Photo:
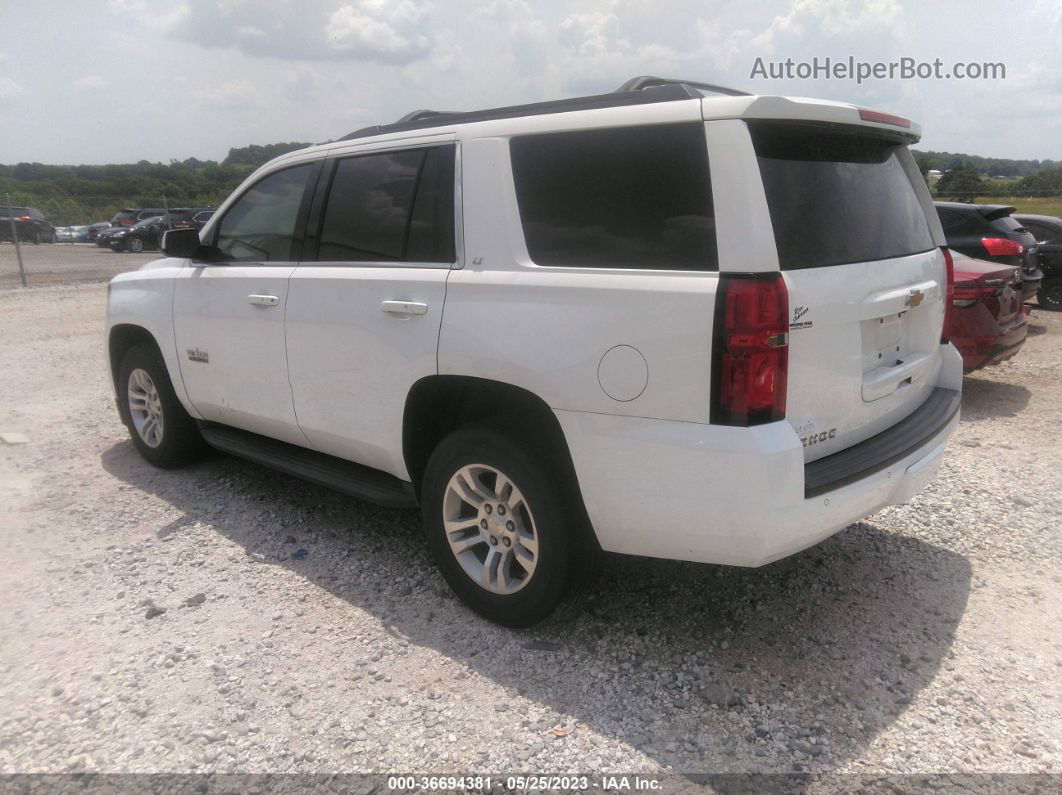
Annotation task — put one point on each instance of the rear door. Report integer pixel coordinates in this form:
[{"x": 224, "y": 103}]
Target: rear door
[
  {"x": 866, "y": 282},
  {"x": 365, "y": 307}
]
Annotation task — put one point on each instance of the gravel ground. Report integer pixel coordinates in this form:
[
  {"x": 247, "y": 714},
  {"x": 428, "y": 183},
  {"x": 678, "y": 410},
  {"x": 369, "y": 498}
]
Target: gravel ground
[{"x": 162, "y": 621}]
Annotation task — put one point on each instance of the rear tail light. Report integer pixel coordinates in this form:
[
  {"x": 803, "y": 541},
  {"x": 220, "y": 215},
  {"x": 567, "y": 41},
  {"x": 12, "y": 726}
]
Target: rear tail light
[
  {"x": 750, "y": 360},
  {"x": 970, "y": 294},
  {"x": 127, "y": 222},
  {"x": 949, "y": 296},
  {"x": 1001, "y": 247},
  {"x": 25, "y": 218}
]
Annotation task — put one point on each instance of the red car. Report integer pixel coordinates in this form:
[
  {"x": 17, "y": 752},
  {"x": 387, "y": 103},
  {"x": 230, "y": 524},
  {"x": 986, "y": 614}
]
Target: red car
[{"x": 988, "y": 322}]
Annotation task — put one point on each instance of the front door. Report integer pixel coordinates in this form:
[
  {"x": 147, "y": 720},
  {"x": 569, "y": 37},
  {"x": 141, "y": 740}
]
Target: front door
[
  {"x": 365, "y": 307},
  {"x": 228, "y": 312}
]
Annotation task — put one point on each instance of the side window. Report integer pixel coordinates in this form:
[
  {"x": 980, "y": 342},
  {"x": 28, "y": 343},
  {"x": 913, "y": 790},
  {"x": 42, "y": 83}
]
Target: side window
[
  {"x": 1043, "y": 233},
  {"x": 629, "y": 197},
  {"x": 390, "y": 207},
  {"x": 260, "y": 226}
]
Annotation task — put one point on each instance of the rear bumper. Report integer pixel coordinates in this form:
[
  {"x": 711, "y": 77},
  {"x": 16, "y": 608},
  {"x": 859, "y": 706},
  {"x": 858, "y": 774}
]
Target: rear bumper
[
  {"x": 985, "y": 343},
  {"x": 733, "y": 496}
]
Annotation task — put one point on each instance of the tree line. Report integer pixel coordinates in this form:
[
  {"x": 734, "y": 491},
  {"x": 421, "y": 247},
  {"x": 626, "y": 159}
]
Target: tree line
[{"x": 70, "y": 195}]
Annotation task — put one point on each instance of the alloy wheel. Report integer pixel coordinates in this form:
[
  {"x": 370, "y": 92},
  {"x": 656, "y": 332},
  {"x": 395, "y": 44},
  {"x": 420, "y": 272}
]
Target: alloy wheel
[
  {"x": 490, "y": 529},
  {"x": 145, "y": 408}
]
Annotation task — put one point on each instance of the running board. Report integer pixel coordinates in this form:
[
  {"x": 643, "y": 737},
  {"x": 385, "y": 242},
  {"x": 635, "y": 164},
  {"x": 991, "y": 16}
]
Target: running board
[{"x": 346, "y": 477}]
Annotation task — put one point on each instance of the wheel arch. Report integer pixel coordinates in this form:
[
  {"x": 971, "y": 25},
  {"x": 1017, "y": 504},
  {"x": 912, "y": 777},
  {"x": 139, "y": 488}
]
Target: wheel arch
[
  {"x": 440, "y": 404},
  {"x": 121, "y": 338}
]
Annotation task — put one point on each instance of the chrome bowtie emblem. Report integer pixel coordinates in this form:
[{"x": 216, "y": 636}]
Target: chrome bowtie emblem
[{"x": 914, "y": 298}]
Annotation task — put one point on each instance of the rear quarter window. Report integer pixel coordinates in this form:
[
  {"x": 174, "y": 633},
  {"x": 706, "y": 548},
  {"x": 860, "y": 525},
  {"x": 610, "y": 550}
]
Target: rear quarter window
[
  {"x": 629, "y": 197},
  {"x": 837, "y": 196}
]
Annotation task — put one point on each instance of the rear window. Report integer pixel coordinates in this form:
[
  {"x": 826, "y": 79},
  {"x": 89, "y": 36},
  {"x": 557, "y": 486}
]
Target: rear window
[
  {"x": 630, "y": 197},
  {"x": 1007, "y": 224},
  {"x": 837, "y": 197}
]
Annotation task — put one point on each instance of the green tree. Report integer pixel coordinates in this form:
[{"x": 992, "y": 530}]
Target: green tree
[{"x": 961, "y": 183}]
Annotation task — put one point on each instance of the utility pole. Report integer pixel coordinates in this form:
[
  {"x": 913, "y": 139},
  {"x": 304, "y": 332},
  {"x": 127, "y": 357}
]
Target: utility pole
[{"x": 14, "y": 239}]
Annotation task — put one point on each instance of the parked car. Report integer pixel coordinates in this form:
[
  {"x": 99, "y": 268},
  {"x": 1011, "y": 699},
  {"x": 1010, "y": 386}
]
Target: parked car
[
  {"x": 103, "y": 237},
  {"x": 989, "y": 322},
  {"x": 596, "y": 348},
  {"x": 30, "y": 225},
  {"x": 1047, "y": 229},
  {"x": 132, "y": 215},
  {"x": 95, "y": 229},
  {"x": 199, "y": 219},
  {"x": 990, "y": 232},
  {"x": 141, "y": 236},
  {"x": 146, "y": 235}
]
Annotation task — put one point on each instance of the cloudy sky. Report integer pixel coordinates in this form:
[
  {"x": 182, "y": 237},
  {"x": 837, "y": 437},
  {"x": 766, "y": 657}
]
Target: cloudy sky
[{"x": 125, "y": 80}]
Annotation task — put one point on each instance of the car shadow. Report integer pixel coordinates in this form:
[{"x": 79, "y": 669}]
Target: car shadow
[
  {"x": 1035, "y": 329},
  {"x": 699, "y": 667},
  {"x": 983, "y": 398}
]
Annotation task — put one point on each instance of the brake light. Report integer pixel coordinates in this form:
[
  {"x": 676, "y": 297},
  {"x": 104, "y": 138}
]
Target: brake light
[
  {"x": 949, "y": 296},
  {"x": 866, "y": 114},
  {"x": 751, "y": 355},
  {"x": 1001, "y": 247},
  {"x": 25, "y": 218},
  {"x": 968, "y": 295}
]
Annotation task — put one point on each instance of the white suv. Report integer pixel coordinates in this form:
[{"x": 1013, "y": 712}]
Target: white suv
[{"x": 649, "y": 322}]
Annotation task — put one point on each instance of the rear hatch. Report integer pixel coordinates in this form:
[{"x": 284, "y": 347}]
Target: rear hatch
[{"x": 867, "y": 284}]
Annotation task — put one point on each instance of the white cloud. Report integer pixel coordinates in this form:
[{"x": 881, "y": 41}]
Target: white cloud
[
  {"x": 381, "y": 30},
  {"x": 233, "y": 95},
  {"x": 89, "y": 81},
  {"x": 9, "y": 89},
  {"x": 592, "y": 34}
]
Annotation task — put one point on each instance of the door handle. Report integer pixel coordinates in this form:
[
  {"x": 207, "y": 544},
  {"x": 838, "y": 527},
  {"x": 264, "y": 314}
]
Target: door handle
[
  {"x": 404, "y": 307},
  {"x": 263, "y": 300}
]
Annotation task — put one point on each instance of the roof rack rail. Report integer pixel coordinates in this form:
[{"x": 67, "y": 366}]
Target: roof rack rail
[
  {"x": 636, "y": 91},
  {"x": 648, "y": 81},
  {"x": 417, "y": 115}
]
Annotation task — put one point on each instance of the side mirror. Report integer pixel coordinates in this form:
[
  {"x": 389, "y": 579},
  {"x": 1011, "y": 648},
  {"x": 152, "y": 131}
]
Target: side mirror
[{"x": 180, "y": 243}]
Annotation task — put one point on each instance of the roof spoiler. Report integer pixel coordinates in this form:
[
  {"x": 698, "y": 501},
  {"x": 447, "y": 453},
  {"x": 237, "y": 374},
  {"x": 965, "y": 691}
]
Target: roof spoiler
[{"x": 993, "y": 211}]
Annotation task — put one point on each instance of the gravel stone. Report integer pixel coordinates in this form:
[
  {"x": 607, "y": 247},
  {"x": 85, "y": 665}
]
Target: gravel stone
[{"x": 920, "y": 640}]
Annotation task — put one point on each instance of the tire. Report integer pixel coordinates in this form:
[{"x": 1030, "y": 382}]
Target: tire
[
  {"x": 1050, "y": 295},
  {"x": 36, "y": 239},
  {"x": 134, "y": 245},
  {"x": 541, "y": 523},
  {"x": 173, "y": 440}
]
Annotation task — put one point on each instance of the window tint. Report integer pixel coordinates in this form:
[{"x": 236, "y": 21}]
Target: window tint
[
  {"x": 949, "y": 221},
  {"x": 837, "y": 197},
  {"x": 633, "y": 197},
  {"x": 431, "y": 231},
  {"x": 1005, "y": 224},
  {"x": 1043, "y": 232},
  {"x": 391, "y": 206},
  {"x": 260, "y": 226}
]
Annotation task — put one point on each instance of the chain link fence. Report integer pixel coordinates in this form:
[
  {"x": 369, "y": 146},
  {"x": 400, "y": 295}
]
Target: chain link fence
[
  {"x": 70, "y": 239},
  {"x": 70, "y": 243}
]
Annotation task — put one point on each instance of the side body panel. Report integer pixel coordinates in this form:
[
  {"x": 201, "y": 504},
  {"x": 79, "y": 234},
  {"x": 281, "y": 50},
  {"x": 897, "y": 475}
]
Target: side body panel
[
  {"x": 144, "y": 298},
  {"x": 231, "y": 348},
  {"x": 613, "y": 341},
  {"x": 351, "y": 364}
]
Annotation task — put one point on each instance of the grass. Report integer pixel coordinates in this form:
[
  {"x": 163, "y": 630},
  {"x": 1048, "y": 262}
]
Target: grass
[{"x": 1050, "y": 205}]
